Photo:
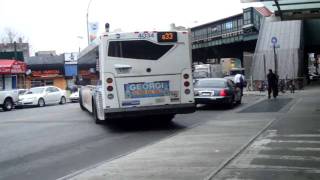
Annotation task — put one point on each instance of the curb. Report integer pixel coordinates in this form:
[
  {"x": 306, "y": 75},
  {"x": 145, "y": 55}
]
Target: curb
[{"x": 238, "y": 152}]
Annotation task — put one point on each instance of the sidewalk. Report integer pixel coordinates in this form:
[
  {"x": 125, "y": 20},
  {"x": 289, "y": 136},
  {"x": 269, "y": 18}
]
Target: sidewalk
[
  {"x": 289, "y": 149},
  {"x": 205, "y": 151}
]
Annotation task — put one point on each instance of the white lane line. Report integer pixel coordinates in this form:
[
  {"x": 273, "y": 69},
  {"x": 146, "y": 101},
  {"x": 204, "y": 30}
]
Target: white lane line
[
  {"x": 277, "y": 168},
  {"x": 300, "y": 135},
  {"x": 285, "y": 148},
  {"x": 285, "y": 157},
  {"x": 295, "y": 141}
]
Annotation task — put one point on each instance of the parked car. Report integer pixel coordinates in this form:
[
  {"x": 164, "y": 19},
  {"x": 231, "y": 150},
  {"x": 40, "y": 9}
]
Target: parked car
[
  {"x": 216, "y": 91},
  {"x": 74, "y": 97},
  {"x": 8, "y": 99},
  {"x": 22, "y": 91},
  {"x": 41, "y": 96}
]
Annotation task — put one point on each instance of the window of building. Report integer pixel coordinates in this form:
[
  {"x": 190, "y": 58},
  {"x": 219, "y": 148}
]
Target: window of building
[
  {"x": 240, "y": 23},
  {"x": 257, "y": 20},
  {"x": 43, "y": 82},
  {"x": 137, "y": 50},
  {"x": 229, "y": 25},
  {"x": 247, "y": 17}
]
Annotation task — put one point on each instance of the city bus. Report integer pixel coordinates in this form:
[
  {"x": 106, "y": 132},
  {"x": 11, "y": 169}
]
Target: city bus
[{"x": 140, "y": 74}]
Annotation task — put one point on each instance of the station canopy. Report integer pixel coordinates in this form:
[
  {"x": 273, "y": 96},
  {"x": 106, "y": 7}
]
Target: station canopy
[{"x": 292, "y": 9}]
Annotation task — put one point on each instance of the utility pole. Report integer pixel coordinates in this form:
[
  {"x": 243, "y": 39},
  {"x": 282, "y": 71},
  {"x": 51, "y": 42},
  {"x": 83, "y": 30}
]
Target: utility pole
[
  {"x": 88, "y": 21},
  {"x": 274, "y": 42},
  {"x": 275, "y": 60},
  {"x": 15, "y": 50}
]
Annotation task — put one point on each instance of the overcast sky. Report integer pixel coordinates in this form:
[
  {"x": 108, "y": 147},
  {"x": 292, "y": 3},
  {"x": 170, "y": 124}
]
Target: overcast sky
[{"x": 57, "y": 24}]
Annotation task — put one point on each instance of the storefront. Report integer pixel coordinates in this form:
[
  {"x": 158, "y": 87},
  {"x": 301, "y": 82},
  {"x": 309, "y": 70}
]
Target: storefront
[
  {"x": 46, "y": 70},
  {"x": 12, "y": 74},
  {"x": 88, "y": 77},
  {"x": 47, "y": 78}
]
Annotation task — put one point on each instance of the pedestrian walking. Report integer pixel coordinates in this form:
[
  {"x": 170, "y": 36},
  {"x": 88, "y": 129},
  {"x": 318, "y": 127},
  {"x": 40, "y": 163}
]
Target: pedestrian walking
[
  {"x": 272, "y": 84},
  {"x": 239, "y": 79}
]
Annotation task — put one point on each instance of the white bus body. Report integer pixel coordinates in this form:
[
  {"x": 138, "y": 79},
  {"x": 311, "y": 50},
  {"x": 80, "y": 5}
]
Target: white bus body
[{"x": 141, "y": 73}]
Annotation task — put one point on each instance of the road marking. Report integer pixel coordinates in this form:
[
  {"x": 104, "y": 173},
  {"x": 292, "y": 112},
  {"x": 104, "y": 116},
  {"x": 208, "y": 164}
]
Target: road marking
[
  {"x": 285, "y": 148},
  {"x": 295, "y": 141},
  {"x": 277, "y": 168},
  {"x": 285, "y": 157},
  {"x": 300, "y": 135}
]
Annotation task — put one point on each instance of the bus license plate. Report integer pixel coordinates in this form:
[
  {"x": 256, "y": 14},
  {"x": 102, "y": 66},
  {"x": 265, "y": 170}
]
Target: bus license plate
[{"x": 147, "y": 89}]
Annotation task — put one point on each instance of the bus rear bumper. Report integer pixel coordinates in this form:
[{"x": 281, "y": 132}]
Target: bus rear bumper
[{"x": 153, "y": 110}]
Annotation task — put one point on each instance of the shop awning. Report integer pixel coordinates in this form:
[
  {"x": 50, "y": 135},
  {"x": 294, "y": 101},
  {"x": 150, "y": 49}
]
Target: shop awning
[{"x": 12, "y": 66}]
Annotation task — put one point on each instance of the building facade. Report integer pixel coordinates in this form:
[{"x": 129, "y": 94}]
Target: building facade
[
  {"x": 18, "y": 51},
  {"x": 229, "y": 37},
  {"x": 45, "y": 70},
  {"x": 12, "y": 74}
]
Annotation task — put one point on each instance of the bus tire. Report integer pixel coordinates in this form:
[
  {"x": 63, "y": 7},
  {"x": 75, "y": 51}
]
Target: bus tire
[
  {"x": 80, "y": 102},
  {"x": 167, "y": 118},
  {"x": 95, "y": 114}
]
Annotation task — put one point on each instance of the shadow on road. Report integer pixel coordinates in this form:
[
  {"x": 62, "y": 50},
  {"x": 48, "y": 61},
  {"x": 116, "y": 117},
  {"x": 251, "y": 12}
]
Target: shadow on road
[
  {"x": 214, "y": 107},
  {"x": 142, "y": 124}
]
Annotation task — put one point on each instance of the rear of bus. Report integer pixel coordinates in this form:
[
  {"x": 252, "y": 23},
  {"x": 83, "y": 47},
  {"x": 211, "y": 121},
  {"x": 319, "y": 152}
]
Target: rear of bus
[{"x": 146, "y": 73}]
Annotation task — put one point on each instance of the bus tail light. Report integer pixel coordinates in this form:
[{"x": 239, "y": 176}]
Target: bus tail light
[
  {"x": 110, "y": 96},
  {"x": 109, "y": 80},
  {"x": 187, "y": 91},
  {"x": 110, "y": 88}
]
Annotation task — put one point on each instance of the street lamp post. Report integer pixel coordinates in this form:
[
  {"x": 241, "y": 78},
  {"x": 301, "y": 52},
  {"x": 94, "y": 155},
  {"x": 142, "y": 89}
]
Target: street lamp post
[
  {"x": 88, "y": 21},
  {"x": 80, "y": 38}
]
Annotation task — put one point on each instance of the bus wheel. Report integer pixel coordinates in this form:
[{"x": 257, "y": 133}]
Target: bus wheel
[
  {"x": 81, "y": 103},
  {"x": 167, "y": 118},
  {"x": 95, "y": 114}
]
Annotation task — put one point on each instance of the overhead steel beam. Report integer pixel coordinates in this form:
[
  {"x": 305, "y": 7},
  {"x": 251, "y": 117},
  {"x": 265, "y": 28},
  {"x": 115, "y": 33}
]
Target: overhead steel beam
[{"x": 279, "y": 9}]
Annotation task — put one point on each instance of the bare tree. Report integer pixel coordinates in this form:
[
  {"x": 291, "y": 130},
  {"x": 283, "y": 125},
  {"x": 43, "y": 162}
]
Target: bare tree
[{"x": 10, "y": 36}]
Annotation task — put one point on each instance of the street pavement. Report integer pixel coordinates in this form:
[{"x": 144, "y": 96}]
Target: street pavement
[
  {"x": 54, "y": 141},
  {"x": 279, "y": 140}
]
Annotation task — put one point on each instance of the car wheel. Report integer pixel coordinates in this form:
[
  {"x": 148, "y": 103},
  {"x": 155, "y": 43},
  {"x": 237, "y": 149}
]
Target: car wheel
[
  {"x": 239, "y": 101},
  {"x": 41, "y": 102},
  {"x": 63, "y": 100},
  {"x": 230, "y": 104},
  {"x": 8, "y": 104}
]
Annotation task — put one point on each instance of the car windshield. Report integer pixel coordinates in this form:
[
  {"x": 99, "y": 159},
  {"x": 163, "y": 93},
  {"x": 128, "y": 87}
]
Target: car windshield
[
  {"x": 36, "y": 90},
  {"x": 210, "y": 83}
]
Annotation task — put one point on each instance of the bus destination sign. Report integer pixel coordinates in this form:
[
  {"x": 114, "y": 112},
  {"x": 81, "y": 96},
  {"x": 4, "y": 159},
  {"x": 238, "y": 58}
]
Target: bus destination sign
[{"x": 167, "y": 37}]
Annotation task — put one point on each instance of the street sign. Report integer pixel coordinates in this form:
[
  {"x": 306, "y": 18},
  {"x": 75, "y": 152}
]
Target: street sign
[{"x": 274, "y": 40}]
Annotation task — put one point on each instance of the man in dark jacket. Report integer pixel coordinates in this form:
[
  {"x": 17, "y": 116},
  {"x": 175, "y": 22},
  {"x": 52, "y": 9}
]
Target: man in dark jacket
[{"x": 272, "y": 84}]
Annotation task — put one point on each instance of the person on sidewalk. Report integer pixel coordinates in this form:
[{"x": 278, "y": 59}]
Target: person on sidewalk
[
  {"x": 239, "y": 79},
  {"x": 272, "y": 84}
]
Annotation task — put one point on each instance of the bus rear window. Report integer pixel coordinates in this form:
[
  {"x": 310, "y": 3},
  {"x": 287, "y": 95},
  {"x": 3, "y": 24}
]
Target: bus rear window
[{"x": 137, "y": 49}]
